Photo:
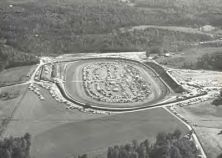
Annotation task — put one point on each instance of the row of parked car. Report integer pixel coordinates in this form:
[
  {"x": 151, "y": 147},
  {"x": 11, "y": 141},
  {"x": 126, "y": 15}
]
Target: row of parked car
[
  {"x": 36, "y": 90},
  {"x": 194, "y": 100}
]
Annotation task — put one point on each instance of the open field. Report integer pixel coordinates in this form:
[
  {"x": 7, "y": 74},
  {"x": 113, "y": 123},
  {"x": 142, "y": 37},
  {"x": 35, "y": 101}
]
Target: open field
[
  {"x": 98, "y": 134},
  {"x": 36, "y": 116},
  {"x": 208, "y": 123},
  {"x": 76, "y": 87},
  {"x": 9, "y": 106},
  {"x": 15, "y": 75},
  {"x": 182, "y": 29}
]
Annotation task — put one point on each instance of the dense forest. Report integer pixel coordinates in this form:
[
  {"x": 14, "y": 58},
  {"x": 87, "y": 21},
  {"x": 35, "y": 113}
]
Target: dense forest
[
  {"x": 51, "y": 28},
  {"x": 89, "y": 25},
  {"x": 171, "y": 145},
  {"x": 218, "y": 100},
  {"x": 210, "y": 61},
  {"x": 64, "y": 26},
  {"x": 9, "y": 57},
  {"x": 15, "y": 147}
]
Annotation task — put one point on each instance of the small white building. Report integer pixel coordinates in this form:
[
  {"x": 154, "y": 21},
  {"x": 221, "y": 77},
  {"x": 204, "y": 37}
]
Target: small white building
[
  {"x": 125, "y": 1},
  {"x": 207, "y": 28},
  {"x": 167, "y": 55},
  {"x": 116, "y": 89}
]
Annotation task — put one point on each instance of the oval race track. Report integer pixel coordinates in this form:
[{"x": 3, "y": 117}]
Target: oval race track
[{"x": 75, "y": 90}]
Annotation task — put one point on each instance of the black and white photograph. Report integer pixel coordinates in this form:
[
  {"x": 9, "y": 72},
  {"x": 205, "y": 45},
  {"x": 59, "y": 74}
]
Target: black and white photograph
[{"x": 110, "y": 78}]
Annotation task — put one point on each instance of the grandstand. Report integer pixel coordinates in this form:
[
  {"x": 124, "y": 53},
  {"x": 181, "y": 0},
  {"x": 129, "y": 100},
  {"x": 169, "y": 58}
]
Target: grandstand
[{"x": 163, "y": 74}]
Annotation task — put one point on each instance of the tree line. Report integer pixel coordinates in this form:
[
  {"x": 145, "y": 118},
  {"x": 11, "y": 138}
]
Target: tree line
[
  {"x": 170, "y": 145},
  {"x": 9, "y": 57},
  {"x": 83, "y": 26},
  {"x": 210, "y": 61},
  {"x": 15, "y": 147},
  {"x": 218, "y": 100},
  {"x": 167, "y": 145}
]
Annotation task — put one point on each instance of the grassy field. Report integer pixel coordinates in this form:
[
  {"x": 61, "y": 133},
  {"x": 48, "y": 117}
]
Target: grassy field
[
  {"x": 7, "y": 107},
  {"x": 97, "y": 134},
  {"x": 15, "y": 75},
  {"x": 209, "y": 124},
  {"x": 35, "y": 116}
]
